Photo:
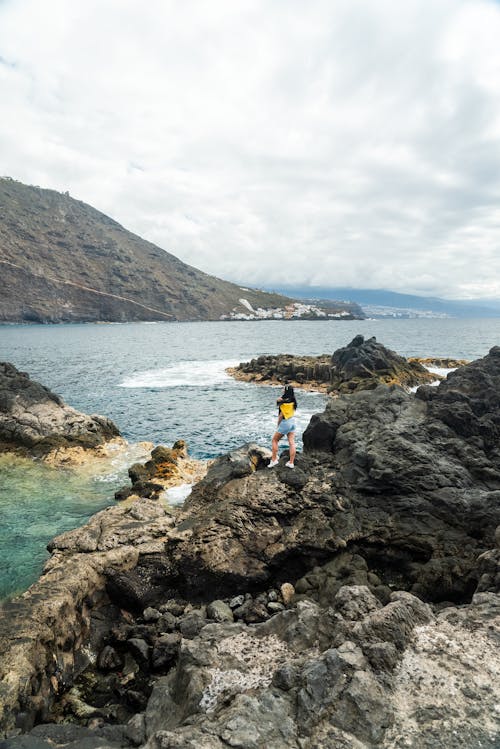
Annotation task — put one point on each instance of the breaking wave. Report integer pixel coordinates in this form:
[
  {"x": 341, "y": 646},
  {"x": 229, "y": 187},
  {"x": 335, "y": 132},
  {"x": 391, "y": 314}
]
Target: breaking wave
[{"x": 182, "y": 374}]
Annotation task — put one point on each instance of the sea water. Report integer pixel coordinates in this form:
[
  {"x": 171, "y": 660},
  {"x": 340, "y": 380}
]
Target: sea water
[{"x": 167, "y": 381}]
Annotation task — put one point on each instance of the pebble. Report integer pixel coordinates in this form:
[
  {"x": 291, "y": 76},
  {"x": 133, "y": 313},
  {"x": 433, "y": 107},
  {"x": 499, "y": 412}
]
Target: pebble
[
  {"x": 287, "y": 593},
  {"x": 151, "y": 615},
  {"x": 237, "y": 601}
]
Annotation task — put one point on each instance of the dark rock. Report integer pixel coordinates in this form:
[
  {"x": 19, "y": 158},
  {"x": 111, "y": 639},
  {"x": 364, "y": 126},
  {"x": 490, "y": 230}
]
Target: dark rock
[
  {"x": 286, "y": 677},
  {"x": 172, "y": 607},
  {"x": 167, "y": 623},
  {"x": 237, "y": 464},
  {"x": 191, "y": 624},
  {"x": 382, "y": 656},
  {"x": 363, "y": 365},
  {"x": 109, "y": 659},
  {"x": 139, "y": 649},
  {"x": 251, "y": 612},
  {"x": 165, "y": 651},
  {"x": 33, "y": 417}
]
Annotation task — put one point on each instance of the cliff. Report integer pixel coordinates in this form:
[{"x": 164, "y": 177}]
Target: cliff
[{"x": 63, "y": 261}]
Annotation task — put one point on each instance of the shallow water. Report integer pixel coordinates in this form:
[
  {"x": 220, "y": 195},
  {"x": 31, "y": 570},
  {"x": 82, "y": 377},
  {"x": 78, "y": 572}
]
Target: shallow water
[{"x": 165, "y": 381}]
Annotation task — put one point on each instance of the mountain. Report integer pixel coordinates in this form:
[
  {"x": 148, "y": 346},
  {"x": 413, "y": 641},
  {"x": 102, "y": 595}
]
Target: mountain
[
  {"x": 385, "y": 303},
  {"x": 63, "y": 261}
]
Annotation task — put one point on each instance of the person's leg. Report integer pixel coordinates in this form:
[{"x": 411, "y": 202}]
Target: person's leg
[
  {"x": 291, "y": 444},
  {"x": 276, "y": 438}
]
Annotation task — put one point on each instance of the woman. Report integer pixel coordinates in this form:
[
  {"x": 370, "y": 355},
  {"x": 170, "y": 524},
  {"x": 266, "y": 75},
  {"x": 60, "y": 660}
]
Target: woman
[{"x": 287, "y": 406}]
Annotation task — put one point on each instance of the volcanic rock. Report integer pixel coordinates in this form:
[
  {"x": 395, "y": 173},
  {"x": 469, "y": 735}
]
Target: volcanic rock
[
  {"x": 167, "y": 467},
  {"x": 391, "y": 638},
  {"x": 34, "y": 418},
  {"x": 361, "y": 365}
]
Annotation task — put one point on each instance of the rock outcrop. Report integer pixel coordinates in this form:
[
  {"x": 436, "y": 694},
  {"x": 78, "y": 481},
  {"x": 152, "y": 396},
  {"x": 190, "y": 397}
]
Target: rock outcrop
[
  {"x": 167, "y": 467},
  {"x": 35, "y": 419},
  {"x": 361, "y": 365},
  {"x": 307, "y": 372},
  {"x": 353, "y": 601}
]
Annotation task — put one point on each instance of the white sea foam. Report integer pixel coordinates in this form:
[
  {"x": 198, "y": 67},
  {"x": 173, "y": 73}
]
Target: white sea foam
[
  {"x": 442, "y": 371},
  {"x": 177, "y": 495},
  {"x": 190, "y": 373}
]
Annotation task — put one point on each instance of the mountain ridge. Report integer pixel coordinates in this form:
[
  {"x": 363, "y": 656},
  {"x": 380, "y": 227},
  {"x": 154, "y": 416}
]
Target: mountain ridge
[{"x": 63, "y": 260}]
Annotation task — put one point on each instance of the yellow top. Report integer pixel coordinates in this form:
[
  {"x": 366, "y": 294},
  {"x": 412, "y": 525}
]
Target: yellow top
[{"x": 287, "y": 409}]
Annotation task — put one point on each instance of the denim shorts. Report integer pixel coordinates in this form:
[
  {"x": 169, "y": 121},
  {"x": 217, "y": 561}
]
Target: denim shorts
[{"x": 287, "y": 425}]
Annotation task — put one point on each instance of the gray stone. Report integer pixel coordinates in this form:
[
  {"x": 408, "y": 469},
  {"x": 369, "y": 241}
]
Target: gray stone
[
  {"x": 165, "y": 650},
  {"x": 151, "y": 615},
  {"x": 139, "y": 648},
  {"x": 191, "y": 624},
  {"x": 219, "y": 612},
  {"x": 363, "y": 708},
  {"x": 135, "y": 730}
]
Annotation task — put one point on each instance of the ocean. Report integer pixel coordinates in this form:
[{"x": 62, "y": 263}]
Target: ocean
[{"x": 165, "y": 381}]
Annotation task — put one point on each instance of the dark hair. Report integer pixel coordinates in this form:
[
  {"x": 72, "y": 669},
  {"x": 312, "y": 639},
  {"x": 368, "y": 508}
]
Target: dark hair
[{"x": 289, "y": 395}]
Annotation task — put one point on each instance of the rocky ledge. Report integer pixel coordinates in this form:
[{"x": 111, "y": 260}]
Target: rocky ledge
[
  {"x": 36, "y": 421},
  {"x": 351, "y": 602},
  {"x": 361, "y": 365},
  {"x": 167, "y": 467}
]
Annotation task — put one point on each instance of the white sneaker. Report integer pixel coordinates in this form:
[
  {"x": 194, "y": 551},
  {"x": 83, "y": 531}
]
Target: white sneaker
[
  {"x": 273, "y": 463},
  {"x": 289, "y": 464}
]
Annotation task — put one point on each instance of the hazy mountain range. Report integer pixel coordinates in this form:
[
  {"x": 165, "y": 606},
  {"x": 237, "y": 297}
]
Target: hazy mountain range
[{"x": 384, "y": 303}]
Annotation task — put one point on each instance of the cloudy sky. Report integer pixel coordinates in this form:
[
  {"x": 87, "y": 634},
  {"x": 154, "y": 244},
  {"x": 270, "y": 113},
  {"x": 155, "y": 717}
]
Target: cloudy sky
[{"x": 333, "y": 142}]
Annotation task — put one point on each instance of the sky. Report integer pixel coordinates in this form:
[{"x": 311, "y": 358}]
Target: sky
[{"x": 270, "y": 142}]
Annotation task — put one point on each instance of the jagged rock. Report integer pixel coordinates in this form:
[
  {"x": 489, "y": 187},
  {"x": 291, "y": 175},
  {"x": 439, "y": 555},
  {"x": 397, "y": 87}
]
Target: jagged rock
[
  {"x": 167, "y": 467},
  {"x": 402, "y": 501},
  {"x": 166, "y": 650},
  {"x": 363, "y": 365},
  {"x": 139, "y": 649},
  {"x": 33, "y": 417},
  {"x": 109, "y": 659},
  {"x": 301, "y": 371}
]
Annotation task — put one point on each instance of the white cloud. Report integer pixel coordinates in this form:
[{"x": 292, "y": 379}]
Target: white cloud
[{"x": 271, "y": 141}]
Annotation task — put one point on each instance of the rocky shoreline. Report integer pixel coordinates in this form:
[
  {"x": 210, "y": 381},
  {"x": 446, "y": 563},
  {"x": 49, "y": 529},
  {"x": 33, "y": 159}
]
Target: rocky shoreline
[
  {"x": 36, "y": 422},
  {"x": 352, "y": 602},
  {"x": 361, "y": 365}
]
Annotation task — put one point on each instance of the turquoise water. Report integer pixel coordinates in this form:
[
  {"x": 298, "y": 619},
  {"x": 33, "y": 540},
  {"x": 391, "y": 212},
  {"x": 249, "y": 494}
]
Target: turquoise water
[{"x": 164, "y": 381}]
